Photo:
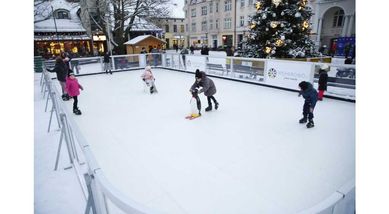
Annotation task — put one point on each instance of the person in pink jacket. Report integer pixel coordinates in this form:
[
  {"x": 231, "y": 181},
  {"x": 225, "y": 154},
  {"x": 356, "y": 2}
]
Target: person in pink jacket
[
  {"x": 73, "y": 89},
  {"x": 149, "y": 80}
]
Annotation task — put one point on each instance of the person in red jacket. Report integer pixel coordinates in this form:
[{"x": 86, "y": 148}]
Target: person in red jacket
[{"x": 73, "y": 89}]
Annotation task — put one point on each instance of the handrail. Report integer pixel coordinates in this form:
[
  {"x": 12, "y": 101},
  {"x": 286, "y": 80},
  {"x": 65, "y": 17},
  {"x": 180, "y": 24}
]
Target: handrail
[{"x": 124, "y": 203}]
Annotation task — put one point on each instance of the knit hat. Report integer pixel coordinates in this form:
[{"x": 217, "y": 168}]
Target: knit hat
[
  {"x": 70, "y": 74},
  {"x": 324, "y": 67},
  {"x": 198, "y": 74},
  {"x": 303, "y": 85},
  {"x": 148, "y": 68}
]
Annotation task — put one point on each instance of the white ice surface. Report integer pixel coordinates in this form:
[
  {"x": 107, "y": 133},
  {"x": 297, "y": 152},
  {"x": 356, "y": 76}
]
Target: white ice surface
[{"x": 249, "y": 156}]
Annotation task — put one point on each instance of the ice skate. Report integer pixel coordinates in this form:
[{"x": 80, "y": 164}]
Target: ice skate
[
  {"x": 310, "y": 124},
  {"x": 77, "y": 111},
  {"x": 209, "y": 108},
  {"x": 216, "y": 106},
  {"x": 303, "y": 120}
]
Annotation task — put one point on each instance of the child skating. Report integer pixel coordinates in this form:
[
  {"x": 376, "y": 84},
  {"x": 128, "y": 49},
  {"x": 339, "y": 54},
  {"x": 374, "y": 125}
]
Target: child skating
[
  {"x": 310, "y": 96},
  {"x": 208, "y": 87},
  {"x": 323, "y": 78},
  {"x": 73, "y": 89},
  {"x": 149, "y": 80},
  {"x": 195, "y": 105}
]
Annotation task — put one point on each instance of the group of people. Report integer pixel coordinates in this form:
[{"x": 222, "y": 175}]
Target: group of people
[{"x": 69, "y": 83}]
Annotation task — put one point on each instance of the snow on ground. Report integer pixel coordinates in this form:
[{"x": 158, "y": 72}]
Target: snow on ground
[{"x": 249, "y": 156}]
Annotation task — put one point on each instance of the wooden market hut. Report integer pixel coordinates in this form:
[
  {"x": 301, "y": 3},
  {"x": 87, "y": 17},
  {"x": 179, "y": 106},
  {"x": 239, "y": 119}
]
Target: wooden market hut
[{"x": 135, "y": 45}]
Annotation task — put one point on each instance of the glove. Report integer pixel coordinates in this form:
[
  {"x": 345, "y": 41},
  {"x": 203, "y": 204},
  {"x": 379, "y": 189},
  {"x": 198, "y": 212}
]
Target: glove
[{"x": 144, "y": 79}]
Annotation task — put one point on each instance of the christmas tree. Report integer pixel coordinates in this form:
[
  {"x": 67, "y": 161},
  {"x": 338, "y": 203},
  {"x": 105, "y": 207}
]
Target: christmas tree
[{"x": 280, "y": 29}]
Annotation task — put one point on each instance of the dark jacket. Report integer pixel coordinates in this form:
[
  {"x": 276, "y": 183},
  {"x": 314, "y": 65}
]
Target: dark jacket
[
  {"x": 208, "y": 87},
  {"x": 61, "y": 69},
  {"x": 309, "y": 93},
  {"x": 106, "y": 58},
  {"x": 323, "y": 78}
]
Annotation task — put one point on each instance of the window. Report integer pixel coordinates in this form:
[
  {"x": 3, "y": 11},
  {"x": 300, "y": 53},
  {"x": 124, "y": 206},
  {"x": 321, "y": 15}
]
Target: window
[
  {"x": 241, "y": 21},
  {"x": 217, "y": 24},
  {"x": 193, "y": 12},
  {"x": 182, "y": 29},
  {"x": 217, "y": 7},
  {"x": 187, "y": 28},
  {"x": 211, "y": 24},
  {"x": 204, "y": 10},
  {"x": 227, "y": 23},
  {"x": 227, "y": 5},
  {"x": 251, "y": 3},
  {"x": 211, "y": 7},
  {"x": 203, "y": 25},
  {"x": 62, "y": 14},
  {"x": 242, "y": 3},
  {"x": 175, "y": 28},
  {"x": 338, "y": 18},
  {"x": 166, "y": 28},
  {"x": 193, "y": 27}
]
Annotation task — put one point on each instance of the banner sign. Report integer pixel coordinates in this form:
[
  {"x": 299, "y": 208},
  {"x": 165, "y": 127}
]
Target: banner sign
[{"x": 287, "y": 74}]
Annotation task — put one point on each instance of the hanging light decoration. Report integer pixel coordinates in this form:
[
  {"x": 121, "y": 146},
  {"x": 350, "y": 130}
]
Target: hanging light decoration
[{"x": 252, "y": 25}]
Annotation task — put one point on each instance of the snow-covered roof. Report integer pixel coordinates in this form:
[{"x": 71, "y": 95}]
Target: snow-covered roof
[
  {"x": 141, "y": 24},
  {"x": 44, "y": 21},
  {"x": 138, "y": 39}
]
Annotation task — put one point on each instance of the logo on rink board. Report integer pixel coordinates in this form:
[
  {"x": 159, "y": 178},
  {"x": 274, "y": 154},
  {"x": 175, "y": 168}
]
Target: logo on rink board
[{"x": 272, "y": 73}]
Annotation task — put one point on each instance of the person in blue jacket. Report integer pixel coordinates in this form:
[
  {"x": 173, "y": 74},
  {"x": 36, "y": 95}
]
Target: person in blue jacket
[{"x": 310, "y": 96}]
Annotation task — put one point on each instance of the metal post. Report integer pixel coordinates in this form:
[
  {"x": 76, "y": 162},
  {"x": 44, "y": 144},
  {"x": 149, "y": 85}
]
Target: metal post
[
  {"x": 90, "y": 203},
  {"x": 58, "y": 151},
  {"x": 51, "y": 114},
  {"x": 47, "y": 101}
]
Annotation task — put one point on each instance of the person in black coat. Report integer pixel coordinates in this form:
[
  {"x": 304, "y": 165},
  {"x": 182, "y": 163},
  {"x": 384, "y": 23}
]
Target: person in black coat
[
  {"x": 207, "y": 86},
  {"x": 106, "y": 61},
  {"x": 323, "y": 78},
  {"x": 61, "y": 70},
  {"x": 310, "y": 96}
]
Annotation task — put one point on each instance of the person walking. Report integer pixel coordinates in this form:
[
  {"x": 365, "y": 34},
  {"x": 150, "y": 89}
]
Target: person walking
[{"x": 107, "y": 60}]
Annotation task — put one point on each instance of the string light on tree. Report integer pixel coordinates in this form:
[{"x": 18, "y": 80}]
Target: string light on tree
[
  {"x": 279, "y": 42},
  {"x": 258, "y": 5},
  {"x": 305, "y": 24},
  {"x": 267, "y": 50},
  {"x": 252, "y": 25},
  {"x": 273, "y": 24}
]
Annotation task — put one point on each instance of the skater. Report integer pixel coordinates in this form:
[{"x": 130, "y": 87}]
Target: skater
[
  {"x": 149, "y": 80},
  {"x": 61, "y": 70},
  {"x": 208, "y": 87},
  {"x": 310, "y": 96},
  {"x": 323, "y": 78},
  {"x": 73, "y": 88},
  {"x": 195, "y": 105},
  {"x": 107, "y": 66},
  {"x": 183, "y": 53}
]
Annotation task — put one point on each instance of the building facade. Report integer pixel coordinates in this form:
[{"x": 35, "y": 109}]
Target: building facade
[
  {"x": 225, "y": 22},
  {"x": 173, "y": 31}
]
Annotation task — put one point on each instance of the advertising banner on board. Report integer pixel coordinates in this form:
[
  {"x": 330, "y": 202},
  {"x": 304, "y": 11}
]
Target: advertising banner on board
[{"x": 287, "y": 74}]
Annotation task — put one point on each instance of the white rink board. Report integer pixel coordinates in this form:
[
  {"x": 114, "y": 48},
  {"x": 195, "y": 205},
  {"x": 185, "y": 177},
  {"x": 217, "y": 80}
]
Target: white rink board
[{"x": 287, "y": 74}]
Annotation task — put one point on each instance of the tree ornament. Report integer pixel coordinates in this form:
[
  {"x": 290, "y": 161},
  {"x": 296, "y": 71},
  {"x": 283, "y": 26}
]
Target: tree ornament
[
  {"x": 276, "y": 2},
  {"x": 267, "y": 29},
  {"x": 273, "y": 52},
  {"x": 298, "y": 14},
  {"x": 274, "y": 15},
  {"x": 282, "y": 37},
  {"x": 305, "y": 24},
  {"x": 279, "y": 42},
  {"x": 273, "y": 24},
  {"x": 267, "y": 50},
  {"x": 282, "y": 13},
  {"x": 264, "y": 16}
]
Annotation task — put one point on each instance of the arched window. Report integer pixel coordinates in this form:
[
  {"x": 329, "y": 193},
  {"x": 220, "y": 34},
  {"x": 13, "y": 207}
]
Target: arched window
[
  {"x": 338, "y": 18},
  {"x": 62, "y": 14}
]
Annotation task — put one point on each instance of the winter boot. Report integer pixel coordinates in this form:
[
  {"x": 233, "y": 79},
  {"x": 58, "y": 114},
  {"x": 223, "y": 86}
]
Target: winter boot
[
  {"x": 209, "y": 108},
  {"x": 216, "y": 106},
  {"x": 110, "y": 71},
  {"x": 303, "y": 120},
  {"x": 310, "y": 124},
  {"x": 77, "y": 111},
  {"x": 65, "y": 97}
]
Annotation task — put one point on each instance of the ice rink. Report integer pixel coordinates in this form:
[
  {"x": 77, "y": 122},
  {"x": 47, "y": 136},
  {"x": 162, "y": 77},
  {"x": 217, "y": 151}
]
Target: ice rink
[{"x": 249, "y": 156}]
